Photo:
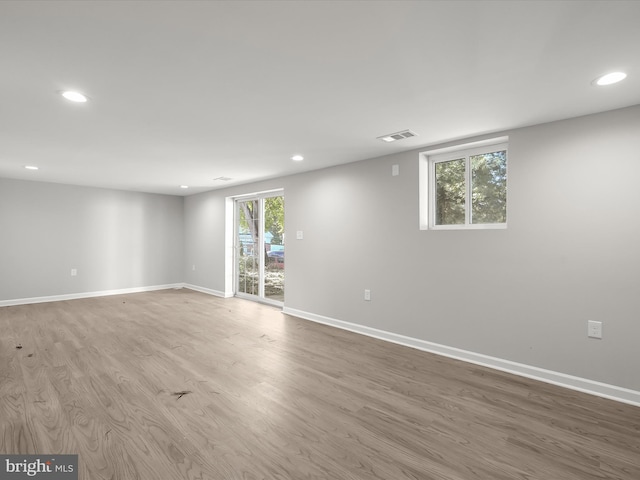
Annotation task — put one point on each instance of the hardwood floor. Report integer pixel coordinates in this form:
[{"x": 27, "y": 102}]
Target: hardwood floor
[{"x": 181, "y": 385}]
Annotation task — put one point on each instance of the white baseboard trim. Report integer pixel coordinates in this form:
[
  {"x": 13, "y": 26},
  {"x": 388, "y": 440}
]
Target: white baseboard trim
[
  {"x": 104, "y": 293},
  {"x": 209, "y": 291},
  {"x": 76, "y": 296},
  {"x": 584, "y": 385}
]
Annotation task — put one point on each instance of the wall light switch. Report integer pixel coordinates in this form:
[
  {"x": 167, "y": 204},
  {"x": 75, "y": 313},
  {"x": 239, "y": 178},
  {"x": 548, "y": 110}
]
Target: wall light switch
[
  {"x": 299, "y": 235},
  {"x": 74, "y": 272}
]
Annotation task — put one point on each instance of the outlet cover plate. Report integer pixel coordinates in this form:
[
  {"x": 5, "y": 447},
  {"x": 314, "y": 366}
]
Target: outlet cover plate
[{"x": 594, "y": 329}]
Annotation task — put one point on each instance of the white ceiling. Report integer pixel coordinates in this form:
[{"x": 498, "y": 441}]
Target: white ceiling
[{"x": 185, "y": 92}]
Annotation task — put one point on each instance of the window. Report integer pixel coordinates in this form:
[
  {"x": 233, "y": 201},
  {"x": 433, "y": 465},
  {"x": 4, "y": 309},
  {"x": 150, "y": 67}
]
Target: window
[{"x": 464, "y": 187}]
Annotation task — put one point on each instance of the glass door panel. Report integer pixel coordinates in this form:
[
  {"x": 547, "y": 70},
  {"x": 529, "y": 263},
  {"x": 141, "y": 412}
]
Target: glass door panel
[
  {"x": 259, "y": 269},
  {"x": 248, "y": 247},
  {"x": 274, "y": 248}
]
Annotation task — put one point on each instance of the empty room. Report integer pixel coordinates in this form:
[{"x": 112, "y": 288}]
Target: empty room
[{"x": 346, "y": 240}]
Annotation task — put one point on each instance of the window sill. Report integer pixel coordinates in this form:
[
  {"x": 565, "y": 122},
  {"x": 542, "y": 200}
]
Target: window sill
[{"x": 478, "y": 226}]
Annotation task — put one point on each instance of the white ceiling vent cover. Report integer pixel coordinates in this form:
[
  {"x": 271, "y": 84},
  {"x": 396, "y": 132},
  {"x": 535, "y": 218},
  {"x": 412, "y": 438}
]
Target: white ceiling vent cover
[{"x": 392, "y": 137}]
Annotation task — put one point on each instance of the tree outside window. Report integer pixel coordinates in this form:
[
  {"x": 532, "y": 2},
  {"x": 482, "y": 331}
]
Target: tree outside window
[{"x": 468, "y": 188}]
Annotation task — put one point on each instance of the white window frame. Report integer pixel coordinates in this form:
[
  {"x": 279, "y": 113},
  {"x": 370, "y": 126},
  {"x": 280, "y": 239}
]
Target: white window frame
[{"x": 428, "y": 160}]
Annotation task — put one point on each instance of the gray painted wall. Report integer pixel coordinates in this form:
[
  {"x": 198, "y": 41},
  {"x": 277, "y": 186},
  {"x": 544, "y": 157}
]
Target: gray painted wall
[
  {"x": 204, "y": 220},
  {"x": 570, "y": 253},
  {"x": 115, "y": 239},
  {"x": 523, "y": 294}
]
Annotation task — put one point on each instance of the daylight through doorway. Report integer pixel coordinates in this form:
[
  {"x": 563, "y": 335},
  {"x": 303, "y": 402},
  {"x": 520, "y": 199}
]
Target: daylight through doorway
[{"x": 259, "y": 247}]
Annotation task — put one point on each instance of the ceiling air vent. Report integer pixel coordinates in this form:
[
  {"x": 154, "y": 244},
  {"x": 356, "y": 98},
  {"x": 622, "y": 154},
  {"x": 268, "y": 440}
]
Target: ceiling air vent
[{"x": 392, "y": 137}]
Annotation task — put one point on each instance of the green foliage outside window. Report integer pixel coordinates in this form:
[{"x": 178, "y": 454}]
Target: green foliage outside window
[
  {"x": 274, "y": 218},
  {"x": 450, "y": 192},
  {"x": 488, "y": 189}
]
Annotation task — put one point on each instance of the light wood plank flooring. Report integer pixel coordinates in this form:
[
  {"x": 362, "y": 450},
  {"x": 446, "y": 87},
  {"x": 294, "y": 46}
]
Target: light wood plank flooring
[{"x": 181, "y": 385}]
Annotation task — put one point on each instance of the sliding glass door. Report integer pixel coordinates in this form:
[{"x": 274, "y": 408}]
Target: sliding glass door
[{"x": 259, "y": 249}]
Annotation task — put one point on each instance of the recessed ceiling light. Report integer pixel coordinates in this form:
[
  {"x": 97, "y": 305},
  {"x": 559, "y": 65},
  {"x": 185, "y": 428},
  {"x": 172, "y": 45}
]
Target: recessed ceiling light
[
  {"x": 610, "y": 78},
  {"x": 297, "y": 158},
  {"x": 74, "y": 96},
  {"x": 184, "y": 186},
  {"x": 31, "y": 167}
]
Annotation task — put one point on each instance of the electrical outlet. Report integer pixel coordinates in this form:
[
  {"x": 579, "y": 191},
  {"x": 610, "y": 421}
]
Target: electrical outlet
[
  {"x": 367, "y": 295},
  {"x": 74, "y": 272},
  {"x": 299, "y": 235},
  {"x": 395, "y": 170},
  {"x": 594, "y": 329},
  {"x": 193, "y": 267}
]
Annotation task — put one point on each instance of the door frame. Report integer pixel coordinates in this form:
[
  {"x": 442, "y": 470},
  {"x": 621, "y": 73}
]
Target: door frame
[{"x": 260, "y": 196}]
